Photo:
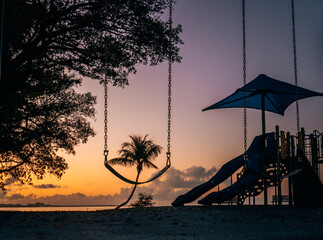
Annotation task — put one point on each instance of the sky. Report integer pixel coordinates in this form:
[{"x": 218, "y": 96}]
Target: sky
[{"x": 211, "y": 69}]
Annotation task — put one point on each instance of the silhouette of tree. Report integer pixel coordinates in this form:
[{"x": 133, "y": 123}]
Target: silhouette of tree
[
  {"x": 76, "y": 34},
  {"x": 139, "y": 152},
  {"x": 144, "y": 200},
  {"x": 48, "y": 46}
]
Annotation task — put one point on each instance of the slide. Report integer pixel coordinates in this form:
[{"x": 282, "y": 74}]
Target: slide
[
  {"x": 247, "y": 181},
  {"x": 257, "y": 154}
]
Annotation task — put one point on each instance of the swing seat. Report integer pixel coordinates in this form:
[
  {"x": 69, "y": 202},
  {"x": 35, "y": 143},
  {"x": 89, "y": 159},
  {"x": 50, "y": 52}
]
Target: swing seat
[{"x": 118, "y": 175}]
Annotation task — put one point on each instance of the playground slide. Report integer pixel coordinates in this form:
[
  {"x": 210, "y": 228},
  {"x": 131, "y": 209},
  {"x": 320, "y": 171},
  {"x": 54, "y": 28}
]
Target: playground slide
[
  {"x": 253, "y": 171},
  {"x": 247, "y": 181}
]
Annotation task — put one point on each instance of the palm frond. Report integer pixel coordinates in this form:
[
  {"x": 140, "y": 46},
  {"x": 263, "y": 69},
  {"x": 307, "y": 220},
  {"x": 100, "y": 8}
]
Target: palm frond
[
  {"x": 126, "y": 153},
  {"x": 127, "y": 145},
  {"x": 148, "y": 164},
  {"x": 154, "y": 151},
  {"x": 122, "y": 162}
]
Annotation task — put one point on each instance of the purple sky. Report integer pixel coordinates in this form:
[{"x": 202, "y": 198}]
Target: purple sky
[{"x": 211, "y": 70}]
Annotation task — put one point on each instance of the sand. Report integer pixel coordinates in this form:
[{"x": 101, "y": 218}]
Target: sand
[{"x": 216, "y": 222}]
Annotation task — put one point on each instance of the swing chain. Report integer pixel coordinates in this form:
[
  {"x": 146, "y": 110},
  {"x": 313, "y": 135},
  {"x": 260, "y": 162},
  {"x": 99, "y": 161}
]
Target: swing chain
[
  {"x": 105, "y": 83},
  {"x": 170, "y": 59},
  {"x": 244, "y": 72},
  {"x": 295, "y": 60},
  {"x": 106, "y": 151}
]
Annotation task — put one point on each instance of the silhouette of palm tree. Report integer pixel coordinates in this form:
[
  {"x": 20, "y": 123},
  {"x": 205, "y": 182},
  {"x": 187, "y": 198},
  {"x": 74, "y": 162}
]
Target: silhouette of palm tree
[{"x": 138, "y": 152}]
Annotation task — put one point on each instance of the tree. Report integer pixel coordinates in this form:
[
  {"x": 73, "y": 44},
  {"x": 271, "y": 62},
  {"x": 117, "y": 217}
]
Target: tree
[
  {"x": 144, "y": 200},
  {"x": 48, "y": 47},
  {"x": 92, "y": 37},
  {"x": 139, "y": 152}
]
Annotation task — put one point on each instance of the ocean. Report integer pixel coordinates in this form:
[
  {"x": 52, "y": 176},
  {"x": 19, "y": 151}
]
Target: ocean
[{"x": 56, "y": 208}]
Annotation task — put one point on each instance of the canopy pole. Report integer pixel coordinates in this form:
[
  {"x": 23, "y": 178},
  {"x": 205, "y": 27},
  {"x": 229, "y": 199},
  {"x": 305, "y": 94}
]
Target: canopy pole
[
  {"x": 263, "y": 113},
  {"x": 264, "y": 132}
]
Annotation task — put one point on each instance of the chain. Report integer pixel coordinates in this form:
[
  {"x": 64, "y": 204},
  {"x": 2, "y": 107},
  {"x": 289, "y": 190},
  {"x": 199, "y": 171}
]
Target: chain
[
  {"x": 106, "y": 151},
  {"x": 295, "y": 61},
  {"x": 105, "y": 83},
  {"x": 244, "y": 72},
  {"x": 170, "y": 59}
]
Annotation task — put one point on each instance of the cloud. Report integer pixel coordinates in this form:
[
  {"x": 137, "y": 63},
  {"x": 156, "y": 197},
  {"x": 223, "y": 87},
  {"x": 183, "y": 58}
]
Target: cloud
[
  {"x": 176, "y": 182},
  {"x": 19, "y": 197},
  {"x": 165, "y": 189},
  {"x": 188, "y": 178},
  {"x": 46, "y": 186},
  {"x": 2, "y": 195},
  {"x": 9, "y": 181},
  {"x": 12, "y": 182}
]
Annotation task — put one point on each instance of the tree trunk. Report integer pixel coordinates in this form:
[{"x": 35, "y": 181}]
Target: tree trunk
[{"x": 133, "y": 190}]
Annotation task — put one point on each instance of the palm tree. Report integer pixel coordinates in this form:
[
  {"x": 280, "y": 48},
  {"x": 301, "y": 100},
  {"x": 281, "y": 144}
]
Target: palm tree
[{"x": 138, "y": 152}]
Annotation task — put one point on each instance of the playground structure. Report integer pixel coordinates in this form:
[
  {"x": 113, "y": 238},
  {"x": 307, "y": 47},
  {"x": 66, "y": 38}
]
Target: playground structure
[
  {"x": 270, "y": 159},
  {"x": 297, "y": 160}
]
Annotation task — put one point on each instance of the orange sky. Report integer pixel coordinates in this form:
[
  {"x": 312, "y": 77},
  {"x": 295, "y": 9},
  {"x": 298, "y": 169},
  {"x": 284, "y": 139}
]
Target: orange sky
[{"x": 211, "y": 70}]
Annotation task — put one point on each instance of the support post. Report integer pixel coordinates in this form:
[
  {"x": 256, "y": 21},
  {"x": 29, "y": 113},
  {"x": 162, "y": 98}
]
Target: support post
[
  {"x": 249, "y": 198},
  {"x": 231, "y": 200},
  {"x": 293, "y": 146},
  {"x": 303, "y": 139},
  {"x": 218, "y": 191},
  {"x": 278, "y": 166},
  {"x": 290, "y": 194},
  {"x": 254, "y": 196},
  {"x": 264, "y": 132},
  {"x": 292, "y": 164},
  {"x": 314, "y": 154}
]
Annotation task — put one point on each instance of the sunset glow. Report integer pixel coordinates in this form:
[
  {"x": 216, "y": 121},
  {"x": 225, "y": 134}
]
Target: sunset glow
[{"x": 211, "y": 69}]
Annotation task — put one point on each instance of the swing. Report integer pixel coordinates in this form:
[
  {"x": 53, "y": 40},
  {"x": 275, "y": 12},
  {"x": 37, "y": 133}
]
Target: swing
[
  {"x": 168, "y": 154},
  {"x": 244, "y": 77},
  {"x": 244, "y": 65}
]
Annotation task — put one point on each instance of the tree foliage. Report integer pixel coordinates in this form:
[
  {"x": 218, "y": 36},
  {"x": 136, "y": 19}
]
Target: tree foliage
[
  {"x": 144, "y": 200},
  {"x": 92, "y": 37},
  {"x": 49, "y": 45}
]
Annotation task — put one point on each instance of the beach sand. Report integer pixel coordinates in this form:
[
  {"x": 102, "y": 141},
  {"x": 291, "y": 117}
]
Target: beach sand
[{"x": 191, "y": 222}]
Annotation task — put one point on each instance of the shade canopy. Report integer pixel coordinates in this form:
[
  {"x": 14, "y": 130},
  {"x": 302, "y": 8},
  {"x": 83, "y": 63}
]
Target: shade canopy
[{"x": 265, "y": 92}]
